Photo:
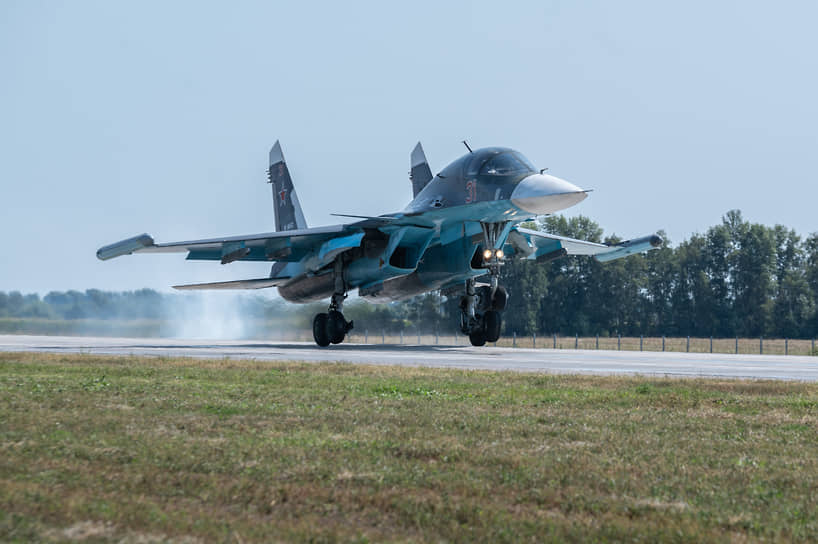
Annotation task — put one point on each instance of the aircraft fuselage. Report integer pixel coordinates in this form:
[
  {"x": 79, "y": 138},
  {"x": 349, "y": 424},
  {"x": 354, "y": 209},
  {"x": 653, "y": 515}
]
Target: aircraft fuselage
[{"x": 444, "y": 244}]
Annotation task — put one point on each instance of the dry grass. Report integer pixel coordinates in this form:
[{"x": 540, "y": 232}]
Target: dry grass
[{"x": 146, "y": 450}]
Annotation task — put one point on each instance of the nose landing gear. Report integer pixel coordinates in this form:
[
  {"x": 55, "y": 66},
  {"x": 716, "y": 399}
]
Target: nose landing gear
[
  {"x": 480, "y": 307},
  {"x": 480, "y": 316}
]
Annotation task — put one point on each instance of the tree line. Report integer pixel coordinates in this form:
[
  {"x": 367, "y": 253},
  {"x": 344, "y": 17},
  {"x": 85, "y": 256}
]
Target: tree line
[{"x": 737, "y": 279}]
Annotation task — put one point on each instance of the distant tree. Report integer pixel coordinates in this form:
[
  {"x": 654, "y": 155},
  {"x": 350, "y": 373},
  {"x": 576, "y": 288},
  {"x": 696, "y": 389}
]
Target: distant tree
[
  {"x": 527, "y": 285},
  {"x": 692, "y": 298},
  {"x": 794, "y": 301},
  {"x": 718, "y": 303},
  {"x": 753, "y": 266},
  {"x": 568, "y": 306},
  {"x": 661, "y": 275}
]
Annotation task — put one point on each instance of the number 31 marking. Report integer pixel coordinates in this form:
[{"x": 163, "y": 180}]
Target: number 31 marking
[{"x": 471, "y": 191}]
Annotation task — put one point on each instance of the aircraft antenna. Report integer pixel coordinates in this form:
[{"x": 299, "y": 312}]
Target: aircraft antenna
[{"x": 467, "y": 146}]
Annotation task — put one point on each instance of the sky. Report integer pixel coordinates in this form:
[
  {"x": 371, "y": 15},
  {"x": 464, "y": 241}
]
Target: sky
[{"x": 118, "y": 118}]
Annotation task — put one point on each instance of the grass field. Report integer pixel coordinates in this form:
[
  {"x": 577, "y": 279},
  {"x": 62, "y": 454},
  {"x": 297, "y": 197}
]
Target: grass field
[{"x": 147, "y": 450}]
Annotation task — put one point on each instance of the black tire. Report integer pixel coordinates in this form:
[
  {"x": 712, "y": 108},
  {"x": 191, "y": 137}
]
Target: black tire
[
  {"x": 319, "y": 330},
  {"x": 492, "y": 323},
  {"x": 483, "y": 301},
  {"x": 336, "y": 327},
  {"x": 500, "y": 300},
  {"x": 477, "y": 338}
]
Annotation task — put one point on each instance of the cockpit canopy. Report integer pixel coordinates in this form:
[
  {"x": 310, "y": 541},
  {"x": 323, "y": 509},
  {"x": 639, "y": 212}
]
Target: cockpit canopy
[
  {"x": 504, "y": 163},
  {"x": 501, "y": 163},
  {"x": 490, "y": 161}
]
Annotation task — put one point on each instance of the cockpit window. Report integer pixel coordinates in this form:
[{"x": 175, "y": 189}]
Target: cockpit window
[
  {"x": 525, "y": 161},
  {"x": 474, "y": 164},
  {"x": 505, "y": 164}
]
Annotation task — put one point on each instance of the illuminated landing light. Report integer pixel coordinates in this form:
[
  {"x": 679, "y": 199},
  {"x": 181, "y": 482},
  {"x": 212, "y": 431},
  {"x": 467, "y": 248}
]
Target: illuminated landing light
[
  {"x": 487, "y": 254},
  {"x": 499, "y": 254}
]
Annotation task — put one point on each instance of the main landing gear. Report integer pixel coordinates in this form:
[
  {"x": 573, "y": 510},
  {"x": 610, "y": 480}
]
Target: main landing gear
[
  {"x": 480, "y": 307},
  {"x": 331, "y": 327}
]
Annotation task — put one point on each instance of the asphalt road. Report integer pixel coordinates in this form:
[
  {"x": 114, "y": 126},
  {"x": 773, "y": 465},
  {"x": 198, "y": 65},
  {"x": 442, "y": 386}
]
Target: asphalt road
[{"x": 486, "y": 358}]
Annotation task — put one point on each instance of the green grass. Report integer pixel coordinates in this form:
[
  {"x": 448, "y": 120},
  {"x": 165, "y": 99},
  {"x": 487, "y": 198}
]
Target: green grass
[{"x": 109, "y": 449}]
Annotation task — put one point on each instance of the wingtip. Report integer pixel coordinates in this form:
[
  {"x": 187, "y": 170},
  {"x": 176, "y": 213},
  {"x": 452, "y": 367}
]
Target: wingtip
[{"x": 124, "y": 247}]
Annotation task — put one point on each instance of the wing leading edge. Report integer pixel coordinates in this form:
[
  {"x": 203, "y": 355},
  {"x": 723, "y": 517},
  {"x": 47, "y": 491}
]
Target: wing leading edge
[
  {"x": 303, "y": 249},
  {"x": 542, "y": 246},
  {"x": 260, "y": 283},
  {"x": 268, "y": 245}
]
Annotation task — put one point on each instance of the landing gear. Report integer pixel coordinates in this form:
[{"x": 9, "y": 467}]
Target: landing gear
[
  {"x": 477, "y": 338},
  {"x": 332, "y": 327},
  {"x": 480, "y": 307},
  {"x": 485, "y": 324},
  {"x": 319, "y": 330},
  {"x": 337, "y": 326},
  {"x": 491, "y": 325}
]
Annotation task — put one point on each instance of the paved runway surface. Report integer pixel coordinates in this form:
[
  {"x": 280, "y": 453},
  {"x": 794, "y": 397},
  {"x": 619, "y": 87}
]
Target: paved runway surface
[{"x": 487, "y": 358}]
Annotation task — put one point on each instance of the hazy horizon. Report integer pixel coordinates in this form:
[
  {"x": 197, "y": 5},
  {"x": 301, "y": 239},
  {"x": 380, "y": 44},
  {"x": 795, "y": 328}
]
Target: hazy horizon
[{"x": 151, "y": 117}]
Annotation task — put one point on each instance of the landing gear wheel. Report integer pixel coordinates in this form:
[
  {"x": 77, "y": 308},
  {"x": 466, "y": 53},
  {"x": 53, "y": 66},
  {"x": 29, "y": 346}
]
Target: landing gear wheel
[
  {"x": 477, "y": 338},
  {"x": 319, "y": 330},
  {"x": 491, "y": 325},
  {"x": 336, "y": 327},
  {"x": 499, "y": 301}
]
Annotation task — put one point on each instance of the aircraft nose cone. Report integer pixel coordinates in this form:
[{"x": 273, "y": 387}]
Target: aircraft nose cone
[{"x": 542, "y": 194}]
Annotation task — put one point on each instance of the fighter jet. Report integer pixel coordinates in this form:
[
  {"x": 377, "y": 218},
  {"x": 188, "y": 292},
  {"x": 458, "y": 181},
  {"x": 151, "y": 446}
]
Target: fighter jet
[{"x": 460, "y": 228}]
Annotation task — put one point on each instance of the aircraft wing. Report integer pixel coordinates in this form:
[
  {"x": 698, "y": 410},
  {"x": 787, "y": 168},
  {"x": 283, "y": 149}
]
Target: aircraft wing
[
  {"x": 290, "y": 245},
  {"x": 259, "y": 283},
  {"x": 295, "y": 252},
  {"x": 543, "y": 247}
]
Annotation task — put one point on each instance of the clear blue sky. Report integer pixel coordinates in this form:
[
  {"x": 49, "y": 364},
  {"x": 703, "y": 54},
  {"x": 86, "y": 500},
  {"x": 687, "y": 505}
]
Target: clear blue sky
[{"x": 120, "y": 118}]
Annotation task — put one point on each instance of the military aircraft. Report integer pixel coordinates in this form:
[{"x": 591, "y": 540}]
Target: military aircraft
[{"x": 460, "y": 227}]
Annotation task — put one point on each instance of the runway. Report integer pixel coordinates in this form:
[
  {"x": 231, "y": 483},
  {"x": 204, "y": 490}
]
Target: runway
[{"x": 777, "y": 367}]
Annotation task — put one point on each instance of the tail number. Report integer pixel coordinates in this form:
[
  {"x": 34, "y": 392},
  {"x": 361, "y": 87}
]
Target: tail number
[{"x": 471, "y": 191}]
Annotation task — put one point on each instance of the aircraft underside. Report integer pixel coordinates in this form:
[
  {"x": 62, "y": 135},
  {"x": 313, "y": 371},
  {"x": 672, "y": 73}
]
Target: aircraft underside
[{"x": 442, "y": 266}]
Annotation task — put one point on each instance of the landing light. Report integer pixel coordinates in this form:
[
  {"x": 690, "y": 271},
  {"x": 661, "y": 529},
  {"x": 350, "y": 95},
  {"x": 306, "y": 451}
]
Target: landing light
[
  {"x": 499, "y": 253},
  {"x": 487, "y": 254}
]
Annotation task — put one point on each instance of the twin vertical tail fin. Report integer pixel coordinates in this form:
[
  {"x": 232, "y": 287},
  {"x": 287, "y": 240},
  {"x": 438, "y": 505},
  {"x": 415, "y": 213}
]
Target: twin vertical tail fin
[
  {"x": 419, "y": 172},
  {"x": 287, "y": 209}
]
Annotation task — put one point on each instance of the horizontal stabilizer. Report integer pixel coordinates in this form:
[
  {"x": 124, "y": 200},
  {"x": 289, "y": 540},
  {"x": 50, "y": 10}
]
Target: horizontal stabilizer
[{"x": 259, "y": 283}]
